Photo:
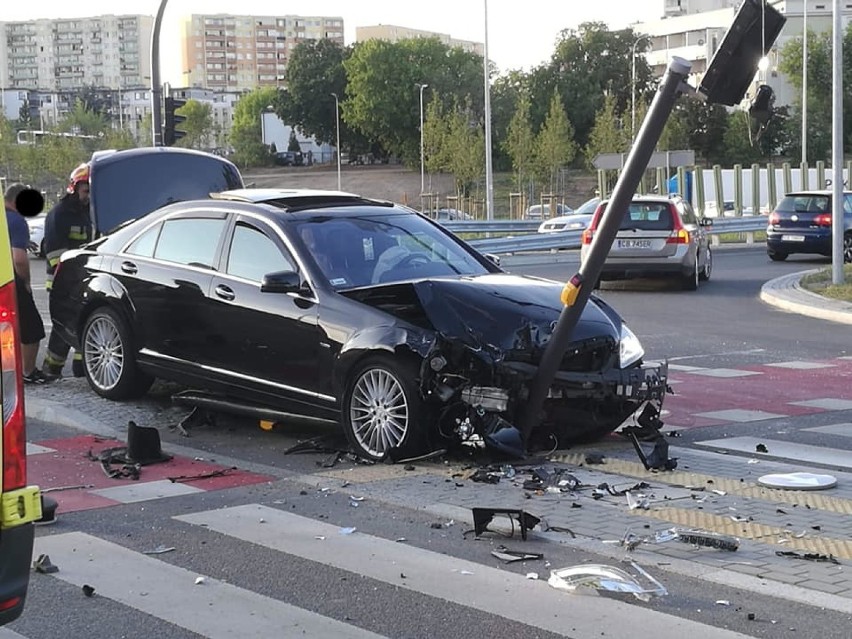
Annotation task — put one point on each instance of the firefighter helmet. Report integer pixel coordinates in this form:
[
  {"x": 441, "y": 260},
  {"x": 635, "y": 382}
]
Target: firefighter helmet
[{"x": 78, "y": 175}]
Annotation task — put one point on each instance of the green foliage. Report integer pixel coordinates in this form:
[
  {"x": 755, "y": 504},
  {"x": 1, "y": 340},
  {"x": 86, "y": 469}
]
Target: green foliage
[
  {"x": 435, "y": 134},
  {"x": 383, "y": 99},
  {"x": 83, "y": 120},
  {"x": 520, "y": 142},
  {"x": 293, "y": 142},
  {"x": 608, "y": 135},
  {"x": 198, "y": 125},
  {"x": 555, "y": 146},
  {"x": 249, "y": 149},
  {"x": 465, "y": 148}
]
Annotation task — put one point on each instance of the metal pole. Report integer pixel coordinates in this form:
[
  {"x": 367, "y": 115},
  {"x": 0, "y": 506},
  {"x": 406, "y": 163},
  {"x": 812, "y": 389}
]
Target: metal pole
[
  {"x": 579, "y": 288},
  {"x": 422, "y": 154},
  {"x": 337, "y": 120},
  {"x": 156, "y": 87},
  {"x": 263, "y": 127},
  {"x": 489, "y": 176},
  {"x": 837, "y": 148},
  {"x": 805, "y": 84}
]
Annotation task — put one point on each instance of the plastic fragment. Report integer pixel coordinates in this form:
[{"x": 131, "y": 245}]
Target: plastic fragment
[
  {"x": 508, "y": 556},
  {"x": 159, "y": 550},
  {"x": 200, "y": 581},
  {"x": 44, "y": 566},
  {"x": 708, "y": 539},
  {"x": 532, "y": 575},
  {"x": 347, "y": 530},
  {"x": 723, "y": 602},
  {"x": 609, "y": 578},
  {"x": 88, "y": 590}
]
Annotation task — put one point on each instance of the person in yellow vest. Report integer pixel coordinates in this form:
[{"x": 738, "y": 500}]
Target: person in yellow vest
[{"x": 67, "y": 226}]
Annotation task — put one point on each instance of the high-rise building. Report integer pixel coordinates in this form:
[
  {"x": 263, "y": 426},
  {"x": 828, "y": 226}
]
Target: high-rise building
[
  {"x": 237, "y": 53},
  {"x": 394, "y": 33},
  {"x": 111, "y": 51},
  {"x": 686, "y": 7}
]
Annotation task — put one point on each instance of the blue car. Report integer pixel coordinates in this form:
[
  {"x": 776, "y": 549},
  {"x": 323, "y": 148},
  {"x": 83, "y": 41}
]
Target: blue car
[{"x": 801, "y": 223}]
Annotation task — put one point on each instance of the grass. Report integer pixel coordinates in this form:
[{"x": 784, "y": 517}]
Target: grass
[{"x": 820, "y": 283}]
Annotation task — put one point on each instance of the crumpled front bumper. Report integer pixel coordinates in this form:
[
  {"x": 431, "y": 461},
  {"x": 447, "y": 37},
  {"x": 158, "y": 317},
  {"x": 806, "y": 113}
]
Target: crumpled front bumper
[{"x": 648, "y": 381}]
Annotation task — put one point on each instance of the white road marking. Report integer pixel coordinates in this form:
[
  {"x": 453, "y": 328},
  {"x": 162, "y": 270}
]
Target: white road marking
[
  {"x": 8, "y": 633},
  {"x": 478, "y": 586},
  {"x": 214, "y": 609},
  {"x": 739, "y": 415},
  {"x": 146, "y": 490},
  {"x": 724, "y": 372},
  {"x": 802, "y": 366},
  {"x": 828, "y": 403},
  {"x": 844, "y": 429},
  {"x": 35, "y": 449},
  {"x": 801, "y": 453}
]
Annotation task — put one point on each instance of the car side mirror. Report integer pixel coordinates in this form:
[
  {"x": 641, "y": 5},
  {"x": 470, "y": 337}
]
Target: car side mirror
[
  {"x": 491, "y": 257},
  {"x": 281, "y": 282},
  {"x": 706, "y": 221}
]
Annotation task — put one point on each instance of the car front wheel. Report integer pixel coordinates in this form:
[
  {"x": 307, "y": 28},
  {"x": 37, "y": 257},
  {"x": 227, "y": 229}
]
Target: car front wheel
[
  {"x": 775, "y": 256},
  {"x": 109, "y": 360},
  {"x": 708, "y": 267},
  {"x": 382, "y": 410},
  {"x": 847, "y": 248}
]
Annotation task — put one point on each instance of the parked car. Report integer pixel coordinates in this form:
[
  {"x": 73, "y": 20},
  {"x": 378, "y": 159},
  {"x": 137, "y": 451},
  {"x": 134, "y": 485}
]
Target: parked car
[
  {"x": 659, "y": 236},
  {"x": 36, "y": 225},
  {"x": 577, "y": 220},
  {"x": 289, "y": 158},
  {"x": 542, "y": 211},
  {"x": 336, "y": 307},
  {"x": 451, "y": 215},
  {"x": 801, "y": 223},
  {"x": 20, "y": 504}
]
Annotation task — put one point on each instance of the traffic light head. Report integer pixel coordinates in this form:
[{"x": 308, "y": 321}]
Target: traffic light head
[{"x": 171, "y": 133}]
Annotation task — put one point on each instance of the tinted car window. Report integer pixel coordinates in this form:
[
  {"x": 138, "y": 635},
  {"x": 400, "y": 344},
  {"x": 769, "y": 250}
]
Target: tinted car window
[
  {"x": 128, "y": 185},
  {"x": 145, "y": 243},
  {"x": 190, "y": 241},
  {"x": 648, "y": 216},
  {"x": 253, "y": 255},
  {"x": 804, "y": 204}
]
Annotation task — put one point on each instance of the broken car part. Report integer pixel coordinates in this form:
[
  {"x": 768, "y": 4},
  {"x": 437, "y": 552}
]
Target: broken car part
[
  {"x": 609, "y": 578},
  {"x": 809, "y": 556},
  {"x": 483, "y": 516},
  {"x": 707, "y": 538},
  {"x": 658, "y": 459},
  {"x": 798, "y": 481},
  {"x": 508, "y": 556}
]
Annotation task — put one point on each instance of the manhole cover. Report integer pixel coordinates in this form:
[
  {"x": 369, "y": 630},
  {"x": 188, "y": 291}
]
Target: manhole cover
[{"x": 798, "y": 481}]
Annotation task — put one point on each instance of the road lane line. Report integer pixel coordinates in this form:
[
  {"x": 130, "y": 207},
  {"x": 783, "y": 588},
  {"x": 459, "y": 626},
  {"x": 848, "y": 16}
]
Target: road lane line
[
  {"x": 214, "y": 609},
  {"x": 800, "y": 453},
  {"x": 490, "y": 590}
]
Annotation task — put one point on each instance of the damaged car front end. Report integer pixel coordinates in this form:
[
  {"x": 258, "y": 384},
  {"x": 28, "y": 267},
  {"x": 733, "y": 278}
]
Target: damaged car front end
[{"x": 488, "y": 333}]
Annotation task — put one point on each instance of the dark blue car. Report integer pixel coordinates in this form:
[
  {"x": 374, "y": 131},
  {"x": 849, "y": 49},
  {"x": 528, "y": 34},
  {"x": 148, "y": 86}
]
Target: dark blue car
[{"x": 801, "y": 223}]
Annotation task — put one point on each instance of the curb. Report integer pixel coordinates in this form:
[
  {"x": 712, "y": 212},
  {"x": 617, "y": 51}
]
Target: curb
[{"x": 785, "y": 292}]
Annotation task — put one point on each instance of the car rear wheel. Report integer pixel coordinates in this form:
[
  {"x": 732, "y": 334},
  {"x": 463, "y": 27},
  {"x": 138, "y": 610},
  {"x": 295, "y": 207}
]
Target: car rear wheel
[
  {"x": 109, "y": 359},
  {"x": 775, "y": 256},
  {"x": 708, "y": 267},
  {"x": 382, "y": 410},
  {"x": 690, "y": 282},
  {"x": 847, "y": 248}
]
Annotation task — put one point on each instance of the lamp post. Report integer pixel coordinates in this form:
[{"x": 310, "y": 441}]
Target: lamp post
[
  {"x": 805, "y": 83},
  {"x": 633, "y": 87},
  {"x": 489, "y": 176},
  {"x": 337, "y": 128},
  {"x": 422, "y": 154}
]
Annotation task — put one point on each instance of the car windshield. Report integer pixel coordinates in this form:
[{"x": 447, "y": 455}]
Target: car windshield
[
  {"x": 367, "y": 250},
  {"x": 588, "y": 207}
]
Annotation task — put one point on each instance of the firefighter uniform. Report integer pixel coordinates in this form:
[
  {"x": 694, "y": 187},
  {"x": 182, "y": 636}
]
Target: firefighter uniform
[{"x": 67, "y": 226}]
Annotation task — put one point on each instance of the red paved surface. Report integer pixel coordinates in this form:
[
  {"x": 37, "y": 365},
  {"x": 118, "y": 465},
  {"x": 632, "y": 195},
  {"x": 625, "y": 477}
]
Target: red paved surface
[
  {"x": 69, "y": 466},
  {"x": 771, "y": 391}
]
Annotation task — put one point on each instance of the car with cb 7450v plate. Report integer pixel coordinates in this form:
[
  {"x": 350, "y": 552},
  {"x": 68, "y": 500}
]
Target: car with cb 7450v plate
[{"x": 327, "y": 305}]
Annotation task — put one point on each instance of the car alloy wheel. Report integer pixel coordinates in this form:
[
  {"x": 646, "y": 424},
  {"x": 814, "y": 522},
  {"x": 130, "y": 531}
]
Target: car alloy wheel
[
  {"x": 847, "y": 248},
  {"x": 690, "y": 282},
  {"x": 109, "y": 361},
  {"x": 708, "y": 267}
]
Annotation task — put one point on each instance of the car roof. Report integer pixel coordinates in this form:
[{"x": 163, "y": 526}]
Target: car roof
[
  {"x": 826, "y": 192},
  {"x": 297, "y": 199}
]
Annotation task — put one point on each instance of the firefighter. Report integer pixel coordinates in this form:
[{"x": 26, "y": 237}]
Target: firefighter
[{"x": 67, "y": 226}]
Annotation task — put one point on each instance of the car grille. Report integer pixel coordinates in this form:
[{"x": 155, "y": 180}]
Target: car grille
[{"x": 590, "y": 355}]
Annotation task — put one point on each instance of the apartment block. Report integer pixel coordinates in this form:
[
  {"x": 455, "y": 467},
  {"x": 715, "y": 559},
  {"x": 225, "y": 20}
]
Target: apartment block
[
  {"x": 102, "y": 51},
  {"x": 239, "y": 53},
  {"x": 394, "y": 33}
]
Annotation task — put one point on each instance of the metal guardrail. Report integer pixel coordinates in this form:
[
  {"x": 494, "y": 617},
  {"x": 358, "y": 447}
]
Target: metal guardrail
[{"x": 530, "y": 240}]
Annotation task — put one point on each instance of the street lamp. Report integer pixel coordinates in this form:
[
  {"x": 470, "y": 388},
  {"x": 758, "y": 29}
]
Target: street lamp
[
  {"x": 633, "y": 87},
  {"x": 422, "y": 155},
  {"x": 489, "y": 176},
  {"x": 337, "y": 121},
  {"x": 804, "y": 85}
]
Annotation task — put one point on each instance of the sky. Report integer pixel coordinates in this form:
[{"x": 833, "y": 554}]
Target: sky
[{"x": 521, "y": 34}]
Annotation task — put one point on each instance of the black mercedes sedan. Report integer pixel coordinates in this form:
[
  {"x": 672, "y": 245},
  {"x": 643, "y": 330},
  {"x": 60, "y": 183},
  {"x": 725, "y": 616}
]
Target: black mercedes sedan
[{"x": 328, "y": 305}]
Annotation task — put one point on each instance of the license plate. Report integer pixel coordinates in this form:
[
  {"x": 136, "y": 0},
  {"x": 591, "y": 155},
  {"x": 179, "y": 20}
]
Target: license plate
[
  {"x": 793, "y": 238},
  {"x": 635, "y": 244}
]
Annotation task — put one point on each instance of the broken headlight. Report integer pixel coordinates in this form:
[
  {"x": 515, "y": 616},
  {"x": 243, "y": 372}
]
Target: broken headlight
[{"x": 630, "y": 350}]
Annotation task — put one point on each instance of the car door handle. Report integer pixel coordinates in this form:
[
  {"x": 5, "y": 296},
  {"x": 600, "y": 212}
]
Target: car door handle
[
  {"x": 129, "y": 268},
  {"x": 224, "y": 292}
]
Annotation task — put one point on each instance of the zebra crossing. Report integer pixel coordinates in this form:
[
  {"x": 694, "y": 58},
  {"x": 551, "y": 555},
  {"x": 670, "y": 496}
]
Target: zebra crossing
[{"x": 212, "y": 607}]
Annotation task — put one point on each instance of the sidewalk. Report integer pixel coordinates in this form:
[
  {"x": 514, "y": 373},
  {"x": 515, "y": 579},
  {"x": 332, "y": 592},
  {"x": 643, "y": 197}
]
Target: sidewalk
[{"x": 708, "y": 491}]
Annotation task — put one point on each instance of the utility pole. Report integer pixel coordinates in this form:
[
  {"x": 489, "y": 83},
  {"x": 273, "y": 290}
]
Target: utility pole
[
  {"x": 156, "y": 86},
  {"x": 489, "y": 174}
]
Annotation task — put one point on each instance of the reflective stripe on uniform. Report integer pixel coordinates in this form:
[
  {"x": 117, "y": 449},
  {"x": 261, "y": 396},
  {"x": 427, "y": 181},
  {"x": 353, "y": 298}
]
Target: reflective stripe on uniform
[
  {"x": 78, "y": 236},
  {"x": 53, "y": 359},
  {"x": 77, "y": 357}
]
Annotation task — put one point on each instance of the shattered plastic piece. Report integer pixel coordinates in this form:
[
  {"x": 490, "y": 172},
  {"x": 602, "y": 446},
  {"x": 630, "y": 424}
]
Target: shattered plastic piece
[
  {"x": 400, "y": 539},
  {"x": 508, "y": 471},
  {"x": 508, "y": 556},
  {"x": 753, "y": 461},
  {"x": 723, "y": 602},
  {"x": 709, "y": 539},
  {"x": 354, "y": 498},
  {"x": 720, "y": 492},
  {"x": 483, "y": 516},
  {"x": 810, "y": 556},
  {"x": 44, "y": 566},
  {"x": 88, "y": 590},
  {"x": 199, "y": 581},
  {"x": 354, "y": 504},
  {"x": 761, "y": 448},
  {"x": 483, "y": 476},
  {"x": 595, "y": 458},
  {"x": 609, "y": 578},
  {"x": 798, "y": 481},
  {"x": 320, "y": 537},
  {"x": 641, "y": 502},
  {"x": 532, "y": 575},
  {"x": 347, "y": 531},
  {"x": 159, "y": 550}
]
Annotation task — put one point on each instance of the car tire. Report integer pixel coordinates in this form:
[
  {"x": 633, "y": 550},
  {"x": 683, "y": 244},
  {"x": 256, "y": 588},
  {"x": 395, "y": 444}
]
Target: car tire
[
  {"x": 109, "y": 357},
  {"x": 847, "y": 248},
  {"x": 775, "y": 256},
  {"x": 382, "y": 410},
  {"x": 690, "y": 282}
]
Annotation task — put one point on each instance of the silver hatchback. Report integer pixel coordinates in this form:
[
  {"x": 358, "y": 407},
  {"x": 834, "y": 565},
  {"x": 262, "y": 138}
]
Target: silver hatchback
[{"x": 659, "y": 236}]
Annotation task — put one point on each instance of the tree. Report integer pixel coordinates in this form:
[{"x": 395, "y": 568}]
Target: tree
[
  {"x": 293, "y": 142},
  {"x": 198, "y": 125},
  {"x": 608, "y": 135},
  {"x": 83, "y": 120},
  {"x": 520, "y": 142},
  {"x": 249, "y": 149},
  {"x": 382, "y": 93},
  {"x": 465, "y": 148},
  {"x": 435, "y": 136},
  {"x": 555, "y": 146}
]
